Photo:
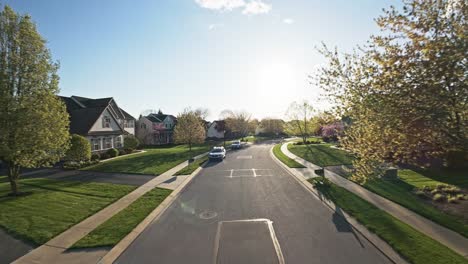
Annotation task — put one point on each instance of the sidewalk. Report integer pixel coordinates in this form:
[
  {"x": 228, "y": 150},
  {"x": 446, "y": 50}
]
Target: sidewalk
[
  {"x": 55, "y": 250},
  {"x": 449, "y": 238}
]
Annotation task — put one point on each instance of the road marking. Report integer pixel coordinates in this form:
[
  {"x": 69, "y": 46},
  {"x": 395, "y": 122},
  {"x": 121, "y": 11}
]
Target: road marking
[
  {"x": 244, "y": 157},
  {"x": 276, "y": 244},
  {"x": 232, "y": 171},
  {"x": 254, "y": 173}
]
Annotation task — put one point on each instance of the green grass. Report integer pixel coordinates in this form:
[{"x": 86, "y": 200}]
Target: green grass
[
  {"x": 53, "y": 206},
  {"x": 432, "y": 178},
  {"x": 410, "y": 243},
  {"x": 321, "y": 155},
  {"x": 285, "y": 159},
  {"x": 117, "y": 227},
  {"x": 154, "y": 161},
  {"x": 192, "y": 166}
]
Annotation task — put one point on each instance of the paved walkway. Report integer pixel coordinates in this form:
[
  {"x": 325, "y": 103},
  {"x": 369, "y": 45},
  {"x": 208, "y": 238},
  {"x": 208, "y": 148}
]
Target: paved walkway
[
  {"x": 55, "y": 250},
  {"x": 449, "y": 238}
]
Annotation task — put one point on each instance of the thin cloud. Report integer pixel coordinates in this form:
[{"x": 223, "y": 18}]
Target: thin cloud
[
  {"x": 252, "y": 7},
  {"x": 221, "y": 5},
  {"x": 256, "y": 7},
  {"x": 288, "y": 21}
]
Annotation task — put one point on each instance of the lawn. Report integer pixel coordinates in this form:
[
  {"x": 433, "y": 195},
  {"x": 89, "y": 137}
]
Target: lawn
[
  {"x": 285, "y": 159},
  {"x": 321, "y": 154},
  {"x": 410, "y": 243},
  {"x": 117, "y": 227},
  {"x": 192, "y": 166},
  {"x": 398, "y": 191},
  {"x": 154, "y": 161},
  {"x": 53, "y": 206}
]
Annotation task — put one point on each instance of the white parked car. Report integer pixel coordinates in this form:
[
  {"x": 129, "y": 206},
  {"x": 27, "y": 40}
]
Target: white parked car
[
  {"x": 217, "y": 153},
  {"x": 236, "y": 144}
]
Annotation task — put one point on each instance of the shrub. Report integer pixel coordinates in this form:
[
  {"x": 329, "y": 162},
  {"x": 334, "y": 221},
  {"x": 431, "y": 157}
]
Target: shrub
[
  {"x": 95, "y": 156},
  {"x": 105, "y": 156},
  {"x": 128, "y": 151},
  {"x": 438, "y": 197},
  {"x": 113, "y": 152},
  {"x": 420, "y": 194},
  {"x": 452, "y": 199},
  {"x": 71, "y": 165},
  {"x": 460, "y": 197},
  {"x": 131, "y": 142},
  {"x": 80, "y": 149},
  {"x": 122, "y": 152}
]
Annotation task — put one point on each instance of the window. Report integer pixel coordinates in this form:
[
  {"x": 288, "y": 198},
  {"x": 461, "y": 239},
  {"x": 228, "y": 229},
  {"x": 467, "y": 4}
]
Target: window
[
  {"x": 96, "y": 144},
  {"x": 106, "y": 122},
  {"x": 118, "y": 142},
  {"x": 108, "y": 142},
  {"x": 143, "y": 125}
]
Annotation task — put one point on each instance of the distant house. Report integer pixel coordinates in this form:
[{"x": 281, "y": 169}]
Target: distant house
[
  {"x": 156, "y": 129},
  {"x": 216, "y": 129},
  {"x": 101, "y": 121}
]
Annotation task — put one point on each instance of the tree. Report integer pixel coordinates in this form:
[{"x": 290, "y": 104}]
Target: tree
[
  {"x": 299, "y": 115},
  {"x": 33, "y": 120},
  {"x": 237, "y": 122},
  {"x": 406, "y": 91},
  {"x": 272, "y": 126},
  {"x": 189, "y": 129},
  {"x": 131, "y": 142},
  {"x": 79, "y": 150}
]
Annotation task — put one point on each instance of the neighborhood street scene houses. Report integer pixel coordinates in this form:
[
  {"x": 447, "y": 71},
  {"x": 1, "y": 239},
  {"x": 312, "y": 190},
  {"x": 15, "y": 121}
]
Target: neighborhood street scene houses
[
  {"x": 101, "y": 121},
  {"x": 216, "y": 129},
  {"x": 156, "y": 129}
]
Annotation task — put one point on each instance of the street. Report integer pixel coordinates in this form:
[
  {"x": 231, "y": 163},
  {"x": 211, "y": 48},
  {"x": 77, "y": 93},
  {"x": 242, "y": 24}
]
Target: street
[{"x": 248, "y": 209}]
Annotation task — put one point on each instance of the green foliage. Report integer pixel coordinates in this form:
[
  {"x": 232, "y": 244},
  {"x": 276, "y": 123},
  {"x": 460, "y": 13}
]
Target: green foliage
[
  {"x": 410, "y": 243},
  {"x": 113, "y": 152},
  {"x": 406, "y": 91},
  {"x": 192, "y": 166},
  {"x": 79, "y": 150},
  {"x": 131, "y": 142},
  {"x": 457, "y": 159},
  {"x": 95, "y": 156},
  {"x": 322, "y": 155},
  {"x": 75, "y": 165},
  {"x": 118, "y": 226},
  {"x": 33, "y": 120}
]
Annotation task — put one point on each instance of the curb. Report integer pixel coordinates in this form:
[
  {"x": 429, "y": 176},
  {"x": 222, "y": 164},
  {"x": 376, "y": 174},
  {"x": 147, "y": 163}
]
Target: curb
[
  {"x": 118, "y": 249},
  {"x": 375, "y": 240}
]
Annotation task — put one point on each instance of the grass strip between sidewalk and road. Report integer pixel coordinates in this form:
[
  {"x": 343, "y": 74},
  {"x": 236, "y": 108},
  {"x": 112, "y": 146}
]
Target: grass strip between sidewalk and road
[
  {"x": 192, "y": 166},
  {"x": 411, "y": 244},
  {"x": 50, "y": 207},
  {"x": 118, "y": 226},
  {"x": 285, "y": 159}
]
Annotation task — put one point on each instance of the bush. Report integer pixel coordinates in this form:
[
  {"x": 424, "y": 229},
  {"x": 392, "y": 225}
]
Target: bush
[
  {"x": 75, "y": 165},
  {"x": 452, "y": 199},
  {"x": 122, "y": 152},
  {"x": 105, "y": 156},
  {"x": 438, "y": 197},
  {"x": 95, "y": 156},
  {"x": 80, "y": 149},
  {"x": 128, "y": 151},
  {"x": 112, "y": 153},
  {"x": 420, "y": 194},
  {"x": 131, "y": 142}
]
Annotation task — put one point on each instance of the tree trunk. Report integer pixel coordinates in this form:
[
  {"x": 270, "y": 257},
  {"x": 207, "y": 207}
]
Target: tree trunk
[{"x": 13, "y": 176}]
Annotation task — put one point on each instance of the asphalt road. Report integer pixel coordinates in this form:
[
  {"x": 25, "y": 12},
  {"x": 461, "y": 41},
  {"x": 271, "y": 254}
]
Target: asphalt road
[{"x": 248, "y": 209}]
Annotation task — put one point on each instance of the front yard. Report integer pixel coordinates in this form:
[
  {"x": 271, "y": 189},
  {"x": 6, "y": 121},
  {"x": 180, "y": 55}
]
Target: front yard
[
  {"x": 403, "y": 190},
  {"x": 154, "y": 161},
  {"x": 410, "y": 243},
  {"x": 53, "y": 206}
]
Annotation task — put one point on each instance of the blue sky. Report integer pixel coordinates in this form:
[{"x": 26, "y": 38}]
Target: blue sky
[{"x": 218, "y": 54}]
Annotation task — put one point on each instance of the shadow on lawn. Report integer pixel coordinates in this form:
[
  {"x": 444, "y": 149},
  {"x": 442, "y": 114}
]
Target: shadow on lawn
[{"x": 325, "y": 156}]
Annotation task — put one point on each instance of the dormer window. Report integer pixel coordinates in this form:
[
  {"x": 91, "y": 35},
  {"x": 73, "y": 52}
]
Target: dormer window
[{"x": 106, "y": 122}]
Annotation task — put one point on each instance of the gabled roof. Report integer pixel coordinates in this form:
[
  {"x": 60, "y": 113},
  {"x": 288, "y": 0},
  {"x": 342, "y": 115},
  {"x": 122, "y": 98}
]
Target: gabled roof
[
  {"x": 84, "y": 112},
  {"x": 158, "y": 118},
  {"x": 127, "y": 115}
]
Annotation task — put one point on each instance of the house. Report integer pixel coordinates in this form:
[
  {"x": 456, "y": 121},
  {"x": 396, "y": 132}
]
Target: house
[
  {"x": 156, "y": 129},
  {"x": 216, "y": 129},
  {"x": 100, "y": 120}
]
